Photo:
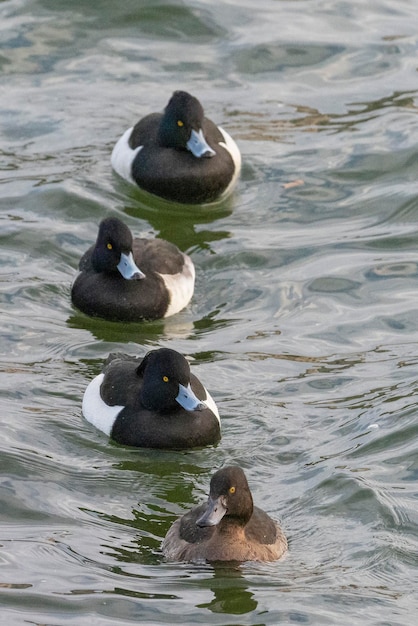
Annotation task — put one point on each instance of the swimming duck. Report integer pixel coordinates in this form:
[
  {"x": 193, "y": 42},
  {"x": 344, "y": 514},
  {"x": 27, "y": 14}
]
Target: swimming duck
[
  {"x": 152, "y": 402},
  {"x": 127, "y": 279},
  {"x": 228, "y": 527},
  {"x": 179, "y": 155}
]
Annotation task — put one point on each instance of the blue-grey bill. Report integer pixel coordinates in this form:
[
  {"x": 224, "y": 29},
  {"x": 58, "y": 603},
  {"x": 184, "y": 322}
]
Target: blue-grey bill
[
  {"x": 213, "y": 514},
  {"x": 198, "y": 145},
  {"x": 188, "y": 400},
  {"x": 128, "y": 268}
]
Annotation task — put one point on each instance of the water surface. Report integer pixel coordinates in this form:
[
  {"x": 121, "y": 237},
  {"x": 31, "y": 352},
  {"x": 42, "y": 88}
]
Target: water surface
[{"x": 303, "y": 324}]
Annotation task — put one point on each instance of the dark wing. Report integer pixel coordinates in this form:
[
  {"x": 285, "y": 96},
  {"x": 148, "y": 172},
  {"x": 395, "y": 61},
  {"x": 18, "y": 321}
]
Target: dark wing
[
  {"x": 157, "y": 255},
  {"x": 189, "y": 531},
  {"x": 261, "y": 528},
  {"x": 116, "y": 370},
  {"x": 145, "y": 132}
]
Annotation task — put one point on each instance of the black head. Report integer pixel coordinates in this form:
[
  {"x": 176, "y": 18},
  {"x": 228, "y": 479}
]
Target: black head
[
  {"x": 166, "y": 382},
  {"x": 229, "y": 498},
  {"x": 113, "y": 249},
  {"x": 183, "y": 115}
]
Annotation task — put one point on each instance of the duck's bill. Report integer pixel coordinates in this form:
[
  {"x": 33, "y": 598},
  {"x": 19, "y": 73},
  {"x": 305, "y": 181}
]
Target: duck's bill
[
  {"x": 128, "y": 268},
  {"x": 198, "y": 145},
  {"x": 213, "y": 514},
  {"x": 188, "y": 399}
]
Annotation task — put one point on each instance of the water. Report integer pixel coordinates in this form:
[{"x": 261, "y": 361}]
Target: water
[{"x": 303, "y": 324}]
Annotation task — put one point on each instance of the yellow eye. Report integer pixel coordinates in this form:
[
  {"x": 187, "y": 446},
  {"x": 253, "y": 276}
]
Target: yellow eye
[
  {"x": 232, "y": 490},
  {"x": 165, "y": 379},
  {"x": 109, "y": 246},
  {"x": 180, "y": 123}
]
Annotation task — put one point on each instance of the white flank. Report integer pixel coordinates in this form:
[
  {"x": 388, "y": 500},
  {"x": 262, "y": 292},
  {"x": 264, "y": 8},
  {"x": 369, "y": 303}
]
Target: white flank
[
  {"x": 180, "y": 287},
  {"x": 210, "y": 403},
  {"x": 123, "y": 156},
  {"x": 97, "y": 412},
  {"x": 231, "y": 147}
]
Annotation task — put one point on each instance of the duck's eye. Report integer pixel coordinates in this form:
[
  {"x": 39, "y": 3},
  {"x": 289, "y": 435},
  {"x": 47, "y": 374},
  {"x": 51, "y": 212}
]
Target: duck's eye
[
  {"x": 109, "y": 246},
  {"x": 180, "y": 123},
  {"x": 165, "y": 379},
  {"x": 232, "y": 490}
]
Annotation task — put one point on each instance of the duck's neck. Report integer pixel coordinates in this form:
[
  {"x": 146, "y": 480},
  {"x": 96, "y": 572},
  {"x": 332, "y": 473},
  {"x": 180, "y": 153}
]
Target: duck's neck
[{"x": 230, "y": 524}]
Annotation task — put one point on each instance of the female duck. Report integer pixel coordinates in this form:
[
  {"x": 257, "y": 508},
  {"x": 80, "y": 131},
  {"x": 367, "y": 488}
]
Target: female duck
[
  {"x": 153, "y": 402},
  {"x": 227, "y": 527},
  {"x": 179, "y": 155},
  {"x": 129, "y": 280}
]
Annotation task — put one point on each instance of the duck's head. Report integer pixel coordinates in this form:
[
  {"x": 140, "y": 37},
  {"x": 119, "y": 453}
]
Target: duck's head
[
  {"x": 113, "y": 250},
  {"x": 229, "y": 497},
  {"x": 182, "y": 125},
  {"x": 166, "y": 382}
]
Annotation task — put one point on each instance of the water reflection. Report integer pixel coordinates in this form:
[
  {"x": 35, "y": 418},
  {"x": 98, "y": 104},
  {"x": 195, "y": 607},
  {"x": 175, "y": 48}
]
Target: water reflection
[
  {"x": 178, "y": 223},
  {"x": 392, "y": 270},
  {"x": 260, "y": 126},
  {"x": 158, "y": 489},
  {"x": 166, "y": 21},
  {"x": 144, "y": 333},
  {"x": 228, "y": 585},
  {"x": 358, "y": 112},
  {"x": 230, "y": 590},
  {"x": 147, "y": 333},
  {"x": 276, "y": 57}
]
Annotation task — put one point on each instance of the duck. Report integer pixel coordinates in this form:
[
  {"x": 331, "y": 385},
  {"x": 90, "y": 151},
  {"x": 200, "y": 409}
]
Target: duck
[
  {"x": 228, "y": 527},
  {"x": 128, "y": 279},
  {"x": 152, "y": 402},
  {"x": 179, "y": 155}
]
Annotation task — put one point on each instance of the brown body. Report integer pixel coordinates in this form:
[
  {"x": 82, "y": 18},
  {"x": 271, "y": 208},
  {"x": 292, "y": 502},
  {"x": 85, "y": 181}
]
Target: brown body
[{"x": 226, "y": 528}]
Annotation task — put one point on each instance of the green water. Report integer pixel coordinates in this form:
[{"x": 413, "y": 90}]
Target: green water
[{"x": 303, "y": 325}]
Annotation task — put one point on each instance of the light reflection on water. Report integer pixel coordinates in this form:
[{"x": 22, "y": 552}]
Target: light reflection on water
[{"x": 303, "y": 325}]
